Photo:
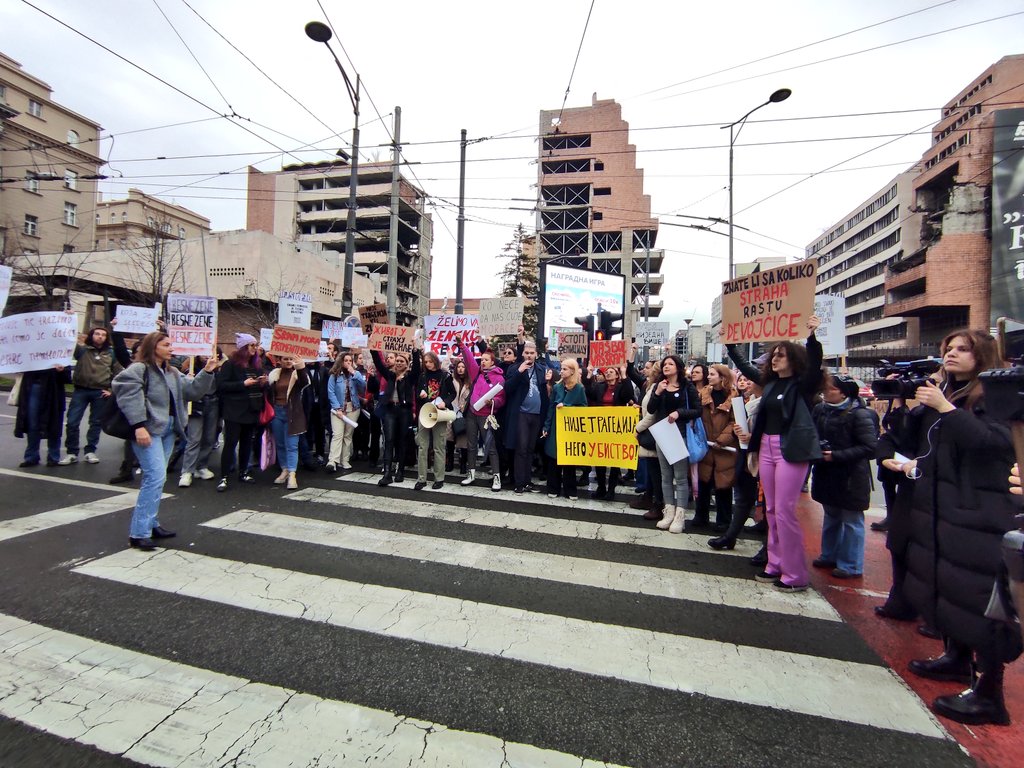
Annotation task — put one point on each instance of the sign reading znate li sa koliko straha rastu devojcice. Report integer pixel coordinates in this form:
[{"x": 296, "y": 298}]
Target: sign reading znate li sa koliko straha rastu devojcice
[{"x": 772, "y": 305}]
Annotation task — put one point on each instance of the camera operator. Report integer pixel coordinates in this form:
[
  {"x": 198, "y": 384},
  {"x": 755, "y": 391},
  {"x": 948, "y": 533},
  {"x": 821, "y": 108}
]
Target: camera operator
[
  {"x": 960, "y": 509},
  {"x": 841, "y": 480}
]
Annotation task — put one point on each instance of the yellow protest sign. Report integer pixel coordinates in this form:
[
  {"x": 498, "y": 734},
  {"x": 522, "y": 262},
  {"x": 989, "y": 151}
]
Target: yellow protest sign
[{"x": 597, "y": 437}]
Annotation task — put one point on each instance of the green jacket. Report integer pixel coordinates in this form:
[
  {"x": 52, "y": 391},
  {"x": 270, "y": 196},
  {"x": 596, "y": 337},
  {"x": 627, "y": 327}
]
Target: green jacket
[{"x": 94, "y": 368}]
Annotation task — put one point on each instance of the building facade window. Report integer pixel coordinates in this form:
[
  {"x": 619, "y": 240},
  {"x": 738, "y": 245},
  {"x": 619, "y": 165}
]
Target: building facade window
[
  {"x": 71, "y": 214},
  {"x": 181, "y": 232},
  {"x": 73, "y": 137},
  {"x": 3, "y": 94},
  {"x": 31, "y": 225},
  {"x": 35, "y": 108},
  {"x": 124, "y": 217},
  {"x": 150, "y": 222},
  {"x": 166, "y": 227},
  {"x": 70, "y": 179},
  {"x": 31, "y": 182}
]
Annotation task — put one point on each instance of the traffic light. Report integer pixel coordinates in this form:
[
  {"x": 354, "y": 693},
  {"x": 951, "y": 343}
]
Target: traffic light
[
  {"x": 605, "y": 329},
  {"x": 599, "y": 335},
  {"x": 589, "y": 324}
]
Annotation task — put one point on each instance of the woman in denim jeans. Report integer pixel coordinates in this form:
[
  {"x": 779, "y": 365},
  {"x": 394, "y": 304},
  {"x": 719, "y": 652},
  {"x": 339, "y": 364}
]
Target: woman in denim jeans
[
  {"x": 284, "y": 387},
  {"x": 152, "y": 395}
]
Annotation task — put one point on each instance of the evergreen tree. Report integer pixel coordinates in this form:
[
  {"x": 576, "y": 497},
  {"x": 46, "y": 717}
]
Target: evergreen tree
[{"x": 521, "y": 275}]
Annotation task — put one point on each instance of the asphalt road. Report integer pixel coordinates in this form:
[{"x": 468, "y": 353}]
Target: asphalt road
[{"x": 344, "y": 624}]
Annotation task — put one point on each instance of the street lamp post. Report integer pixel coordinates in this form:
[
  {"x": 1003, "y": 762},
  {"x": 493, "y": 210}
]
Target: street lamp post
[
  {"x": 734, "y": 132},
  {"x": 321, "y": 33}
]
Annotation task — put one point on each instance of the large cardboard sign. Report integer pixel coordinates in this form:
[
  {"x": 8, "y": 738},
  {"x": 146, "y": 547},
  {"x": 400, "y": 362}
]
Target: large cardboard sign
[
  {"x": 597, "y": 437},
  {"x": 650, "y": 333},
  {"x": 295, "y": 342},
  {"x": 192, "y": 324},
  {"x": 440, "y": 332},
  {"x": 573, "y": 344},
  {"x": 294, "y": 309},
  {"x": 391, "y": 338},
  {"x": 136, "y": 320},
  {"x": 769, "y": 306},
  {"x": 501, "y": 316},
  {"x": 831, "y": 333},
  {"x": 608, "y": 354},
  {"x": 6, "y": 274},
  {"x": 371, "y": 315},
  {"x": 36, "y": 341}
]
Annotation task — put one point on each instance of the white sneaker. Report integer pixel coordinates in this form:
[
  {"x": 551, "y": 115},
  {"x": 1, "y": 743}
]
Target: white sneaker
[
  {"x": 470, "y": 477},
  {"x": 496, "y": 483},
  {"x": 69, "y": 459},
  {"x": 92, "y": 458},
  {"x": 186, "y": 480},
  {"x": 205, "y": 474}
]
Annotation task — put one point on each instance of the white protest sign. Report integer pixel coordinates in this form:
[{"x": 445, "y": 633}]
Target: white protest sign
[
  {"x": 192, "y": 324},
  {"x": 650, "y": 333},
  {"x": 831, "y": 333},
  {"x": 501, "y": 316},
  {"x": 441, "y": 331},
  {"x": 36, "y": 341},
  {"x": 266, "y": 336},
  {"x": 140, "y": 320},
  {"x": 322, "y": 354},
  {"x": 354, "y": 337},
  {"x": 332, "y": 329},
  {"x": 5, "y": 285},
  {"x": 294, "y": 309}
]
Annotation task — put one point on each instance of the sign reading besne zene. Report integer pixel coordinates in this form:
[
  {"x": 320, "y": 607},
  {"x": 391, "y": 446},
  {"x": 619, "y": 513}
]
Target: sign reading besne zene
[{"x": 769, "y": 306}]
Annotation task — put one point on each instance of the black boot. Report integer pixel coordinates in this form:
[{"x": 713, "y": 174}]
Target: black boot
[
  {"x": 761, "y": 558},
  {"x": 462, "y": 461},
  {"x": 449, "y": 457},
  {"x": 728, "y": 539},
  {"x": 124, "y": 475},
  {"x": 642, "y": 501},
  {"x": 981, "y": 704},
  {"x": 386, "y": 478},
  {"x": 600, "y": 493},
  {"x": 954, "y": 665}
]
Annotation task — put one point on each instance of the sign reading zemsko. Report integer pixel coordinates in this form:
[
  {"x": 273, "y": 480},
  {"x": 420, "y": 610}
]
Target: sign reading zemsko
[
  {"x": 769, "y": 306},
  {"x": 192, "y": 324}
]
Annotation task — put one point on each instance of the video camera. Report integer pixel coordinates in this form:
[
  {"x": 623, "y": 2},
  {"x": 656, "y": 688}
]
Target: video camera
[{"x": 909, "y": 376}]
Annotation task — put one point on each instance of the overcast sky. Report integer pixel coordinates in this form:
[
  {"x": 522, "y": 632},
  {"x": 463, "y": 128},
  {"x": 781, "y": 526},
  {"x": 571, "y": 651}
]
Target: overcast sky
[{"x": 679, "y": 69}]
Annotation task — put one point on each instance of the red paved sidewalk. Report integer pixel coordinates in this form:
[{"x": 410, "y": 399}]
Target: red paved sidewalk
[{"x": 898, "y": 642}]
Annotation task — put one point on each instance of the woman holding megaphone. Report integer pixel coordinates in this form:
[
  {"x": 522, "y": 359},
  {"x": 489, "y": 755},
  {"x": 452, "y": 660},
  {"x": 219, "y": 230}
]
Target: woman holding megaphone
[{"x": 434, "y": 395}]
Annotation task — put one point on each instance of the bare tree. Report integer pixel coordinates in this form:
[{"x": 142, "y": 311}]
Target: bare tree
[
  {"x": 42, "y": 282},
  {"x": 154, "y": 267}
]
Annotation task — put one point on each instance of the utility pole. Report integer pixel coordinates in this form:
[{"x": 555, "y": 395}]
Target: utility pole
[
  {"x": 460, "y": 248},
  {"x": 350, "y": 223},
  {"x": 396, "y": 153}
]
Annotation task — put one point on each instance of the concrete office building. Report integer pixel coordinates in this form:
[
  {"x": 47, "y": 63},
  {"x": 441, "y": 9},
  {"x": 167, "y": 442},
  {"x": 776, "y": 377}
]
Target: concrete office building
[
  {"x": 309, "y": 203},
  {"x": 592, "y": 210}
]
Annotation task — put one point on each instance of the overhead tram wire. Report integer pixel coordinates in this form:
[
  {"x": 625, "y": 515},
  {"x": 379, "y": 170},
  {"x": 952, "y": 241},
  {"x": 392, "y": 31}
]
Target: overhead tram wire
[
  {"x": 194, "y": 57},
  {"x": 576, "y": 61}
]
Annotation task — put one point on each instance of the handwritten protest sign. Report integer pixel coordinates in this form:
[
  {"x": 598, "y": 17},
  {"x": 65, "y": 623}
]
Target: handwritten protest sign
[
  {"x": 831, "y": 333},
  {"x": 597, "y": 437},
  {"x": 140, "y": 320},
  {"x": 769, "y": 306},
  {"x": 354, "y": 337},
  {"x": 651, "y": 334},
  {"x": 296, "y": 342},
  {"x": 555, "y": 330},
  {"x": 440, "y": 332},
  {"x": 573, "y": 344},
  {"x": 501, "y": 316},
  {"x": 608, "y": 354},
  {"x": 371, "y": 315},
  {"x": 36, "y": 341},
  {"x": 192, "y": 323},
  {"x": 294, "y": 309},
  {"x": 391, "y": 338},
  {"x": 5, "y": 285},
  {"x": 266, "y": 336},
  {"x": 331, "y": 329}
]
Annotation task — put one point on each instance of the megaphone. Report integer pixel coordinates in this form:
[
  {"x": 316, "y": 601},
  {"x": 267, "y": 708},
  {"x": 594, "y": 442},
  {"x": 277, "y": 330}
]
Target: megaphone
[{"x": 430, "y": 415}]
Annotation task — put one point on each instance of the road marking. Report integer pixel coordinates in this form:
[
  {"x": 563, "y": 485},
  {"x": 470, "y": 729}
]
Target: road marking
[
  {"x": 576, "y": 529},
  {"x": 58, "y": 480},
  {"x": 858, "y": 591},
  {"x": 621, "y": 577},
  {"x": 846, "y": 691},
  {"x": 160, "y": 712},
  {"x": 23, "y": 526}
]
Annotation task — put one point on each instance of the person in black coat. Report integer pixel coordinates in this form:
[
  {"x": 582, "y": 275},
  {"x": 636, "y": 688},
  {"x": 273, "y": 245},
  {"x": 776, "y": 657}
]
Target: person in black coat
[
  {"x": 525, "y": 407},
  {"x": 240, "y": 384},
  {"x": 41, "y": 405},
  {"x": 841, "y": 481},
  {"x": 616, "y": 390},
  {"x": 399, "y": 391},
  {"x": 960, "y": 509}
]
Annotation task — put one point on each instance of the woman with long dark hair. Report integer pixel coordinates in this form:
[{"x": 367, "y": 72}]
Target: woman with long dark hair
[
  {"x": 240, "y": 383},
  {"x": 717, "y": 470},
  {"x": 960, "y": 509},
  {"x": 285, "y": 385},
  {"x": 399, "y": 391},
  {"x": 457, "y": 443},
  {"x": 153, "y": 395},
  {"x": 613, "y": 389},
  {"x": 786, "y": 442},
  {"x": 699, "y": 376}
]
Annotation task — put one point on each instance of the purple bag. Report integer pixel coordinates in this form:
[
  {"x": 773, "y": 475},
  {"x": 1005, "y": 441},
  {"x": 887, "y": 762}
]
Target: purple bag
[{"x": 268, "y": 451}]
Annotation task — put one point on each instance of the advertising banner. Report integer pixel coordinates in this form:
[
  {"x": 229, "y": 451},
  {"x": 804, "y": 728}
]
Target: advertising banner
[
  {"x": 391, "y": 338},
  {"x": 501, "y": 316},
  {"x": 1008, "y": 216},
  {"x": 597, "y": 437},
  {"x": 440, "y": 332},
  {"x": 570, "y": 293},
  {"x": 295, "y": 342},
  {"x": 192, "y": 324},
  {"x": 36, "y": 341},
  {"x": 769, "y": 306},
  {"x": 608, "y": 354},
  {"x": 832, "y": 331},
  {"x": 136, "y": 320}
]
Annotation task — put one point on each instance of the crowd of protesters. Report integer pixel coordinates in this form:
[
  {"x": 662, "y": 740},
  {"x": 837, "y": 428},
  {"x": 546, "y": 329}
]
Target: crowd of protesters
[{"x": 769, "y": 425}]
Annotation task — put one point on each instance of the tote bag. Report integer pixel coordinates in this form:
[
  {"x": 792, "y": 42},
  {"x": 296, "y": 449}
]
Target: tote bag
[{"x": 696, "y": 437}]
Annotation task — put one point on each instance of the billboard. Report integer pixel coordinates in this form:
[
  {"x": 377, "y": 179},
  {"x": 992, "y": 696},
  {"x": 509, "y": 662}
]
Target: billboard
[
  {"x": 1008, "y": 215},
  {"x": 570, "y": 293}
]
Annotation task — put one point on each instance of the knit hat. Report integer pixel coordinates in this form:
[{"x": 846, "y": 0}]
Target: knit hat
[{"x": 244, "y": 339}]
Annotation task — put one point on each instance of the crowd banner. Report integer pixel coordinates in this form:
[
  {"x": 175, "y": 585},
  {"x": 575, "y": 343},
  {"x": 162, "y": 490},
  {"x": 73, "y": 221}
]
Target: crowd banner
[
  {"x": 769, "y": 306},
  {"x": 440, "y": 332},
  {"x": 371, "y": 315},
  {"x": 192, "y": 324},
  {"x": 266, "y": 336},
  {"x": 831, "y": 309},
  {"x": 501, "y": 316},
  {"x": 36, "y": 341},
  {"x": 354, "y": 337},
  {"x": 294, "y": 309},
  {"x": 391, "y": 338},
  {"x": 332, "y": 329},
  {"x": 301, "y": 343},
  {"x": 136, "y": 320},
  {"x": 608, "y": 354},
  {"x": 597, "y": 437},
  {"x": 573, "y": 344},
  {"x": 6, "y": 274},
  {"x": 650, "y": 333}
]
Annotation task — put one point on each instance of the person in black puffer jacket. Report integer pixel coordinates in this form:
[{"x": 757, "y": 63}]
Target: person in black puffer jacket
[
  {"x": 841, "y": 481},
  {"x": 240, "y": 382}
]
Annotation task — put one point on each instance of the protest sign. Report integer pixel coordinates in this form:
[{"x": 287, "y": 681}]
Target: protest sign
[
  {"x": 5, "y": 285},
  {"x": 440, "y": 332},
  {"x": 573, "y": 344},
  {"x": 371, "y": 315},
  {"x": 769, "y": 306},
  {"x": 503, "y": 347},
  {"x": 501, "y": 316},
  {"x": 266, "y": 336},
  {"x": 192, "y": 324},
  {"x": 597, "y": 437},
  {"x": 608, "y": 354},
  {"x": 322, "y": 355},
  {"x": 139, "y": 320},
  {"x": 36, "y": 341},
  {"x": 354, "y": 337},
  {"x": 554, "y": 332},
  {"x": 296, "y": 342},
  {"x": 651, "y": 334},
  {"x": 294, "y": 309},
  {"x": 331, "y": 329},
  {"x": 831, "y": 333},
  {"x": 391, "y": 338}
]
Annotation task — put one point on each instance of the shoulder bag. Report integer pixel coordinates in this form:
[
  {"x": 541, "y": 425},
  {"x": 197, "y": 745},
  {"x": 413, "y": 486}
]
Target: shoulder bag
[
  {"x": 696, "y": 437},
  {"x": 113, "y": 421}
]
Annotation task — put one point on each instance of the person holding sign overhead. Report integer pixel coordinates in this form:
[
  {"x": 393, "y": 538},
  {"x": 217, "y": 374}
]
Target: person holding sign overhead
[
  {"x": 396, "y": 404},
  {"x": 486, "y": 398}
]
